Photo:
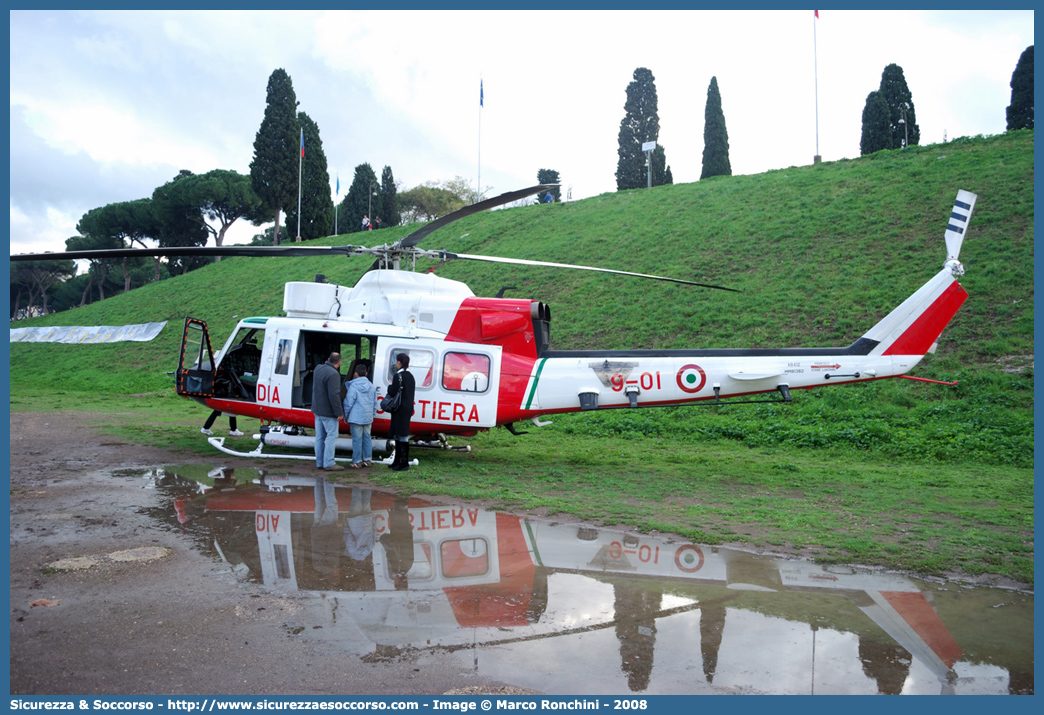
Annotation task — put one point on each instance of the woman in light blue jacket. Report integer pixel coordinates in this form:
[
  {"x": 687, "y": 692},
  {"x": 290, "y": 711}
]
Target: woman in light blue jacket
[{"x": 360, "y": 405}]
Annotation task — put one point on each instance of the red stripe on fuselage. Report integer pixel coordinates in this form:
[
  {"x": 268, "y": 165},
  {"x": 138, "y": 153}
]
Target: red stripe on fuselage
[
  {"x": 915, "y": 610},
  {"x": 515, "y": 371},
  {"x": 505, "y": 602},
  {"x": 306, "y": 418},
  {"x": 928, "y": 326}
]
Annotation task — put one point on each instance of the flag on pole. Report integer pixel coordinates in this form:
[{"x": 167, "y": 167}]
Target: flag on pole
[
  {"x": 302, "y": 142},
  {"x": 338, "y": 184},
  {"x": 817, "y": 14},
  {"x": 481, "y": 95}
]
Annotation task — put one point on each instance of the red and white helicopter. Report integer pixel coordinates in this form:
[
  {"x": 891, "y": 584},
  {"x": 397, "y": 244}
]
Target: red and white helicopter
[{"x": 486, "y": 362}]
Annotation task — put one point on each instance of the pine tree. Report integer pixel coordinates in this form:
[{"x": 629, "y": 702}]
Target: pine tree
[
  {"x": 715, "y": 136},
  {"x": 390, "y": 214},
  {"x": 897, "y": 96},
  {"x": 640, "y": 124},
  {"x": 317, "y": 209},
  {"x": 877, "y": 133},
  {"x": 185, "y": 206},
  {"x": 1020, "y": 111},
  {"x": 273, "y": 171}
]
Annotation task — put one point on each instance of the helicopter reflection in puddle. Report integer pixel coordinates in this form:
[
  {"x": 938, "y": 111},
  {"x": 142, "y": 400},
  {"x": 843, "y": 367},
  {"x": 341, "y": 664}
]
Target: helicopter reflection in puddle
[{"x": 400, "y": 575}]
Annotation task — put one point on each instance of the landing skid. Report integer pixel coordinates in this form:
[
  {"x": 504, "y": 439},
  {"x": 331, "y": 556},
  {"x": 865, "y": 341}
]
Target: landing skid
[
  {"x": 276, "y": 437},
  {"x": 219, "y": 443}
]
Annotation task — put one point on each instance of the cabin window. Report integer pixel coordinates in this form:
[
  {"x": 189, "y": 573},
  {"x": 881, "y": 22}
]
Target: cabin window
[
  {"x": 464, "y": 557},
  {"x": 422, "y": 366},
  {"x": 283, "y": 354},
  {"x": 421, "y": 569},
  {"x": 240, "y": 365},
  {"x": 465, "y": 372}
]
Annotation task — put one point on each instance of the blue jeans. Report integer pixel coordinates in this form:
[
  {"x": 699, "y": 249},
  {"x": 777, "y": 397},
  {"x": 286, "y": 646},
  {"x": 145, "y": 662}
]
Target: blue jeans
[
  {"x": 325, "y": 438},
  {"x": 362, "y": 447}
]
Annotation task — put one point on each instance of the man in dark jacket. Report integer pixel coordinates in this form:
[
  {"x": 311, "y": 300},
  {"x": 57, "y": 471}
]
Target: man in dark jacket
[
  {"x": 400, "y": 420},
  {"x": 326, "y": 404}
]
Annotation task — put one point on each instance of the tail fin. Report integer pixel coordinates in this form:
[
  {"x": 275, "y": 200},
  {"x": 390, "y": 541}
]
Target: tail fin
[{"x": 913, "y": 327}]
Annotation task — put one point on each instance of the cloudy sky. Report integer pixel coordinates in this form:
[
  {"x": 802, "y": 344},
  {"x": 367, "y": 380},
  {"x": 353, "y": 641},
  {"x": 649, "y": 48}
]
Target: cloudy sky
[{"x": 106, "y": 106}]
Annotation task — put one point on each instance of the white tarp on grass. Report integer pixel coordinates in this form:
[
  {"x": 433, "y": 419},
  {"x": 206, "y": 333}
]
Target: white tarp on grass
[{"x": 142, "y": 332}]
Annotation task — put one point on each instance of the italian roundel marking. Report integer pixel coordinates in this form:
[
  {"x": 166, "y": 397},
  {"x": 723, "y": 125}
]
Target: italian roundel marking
[
  {"x": 688, "y": 558},
  {"x": 691, "y": 378}
]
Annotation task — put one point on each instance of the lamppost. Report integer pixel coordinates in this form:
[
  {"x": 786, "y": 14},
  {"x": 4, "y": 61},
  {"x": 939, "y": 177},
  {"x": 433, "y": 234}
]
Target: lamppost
[
  {"x": 906, "y": 129},
  {"x": 648, "y": 148}
]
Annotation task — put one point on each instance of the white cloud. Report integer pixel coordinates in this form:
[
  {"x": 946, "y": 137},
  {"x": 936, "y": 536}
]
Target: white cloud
[{"x": 145, "y": 93}]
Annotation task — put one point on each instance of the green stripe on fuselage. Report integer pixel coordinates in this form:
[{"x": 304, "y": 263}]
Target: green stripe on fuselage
[
  {"x": 536, "y": 379},
  {"x": 533, "y": 544}
]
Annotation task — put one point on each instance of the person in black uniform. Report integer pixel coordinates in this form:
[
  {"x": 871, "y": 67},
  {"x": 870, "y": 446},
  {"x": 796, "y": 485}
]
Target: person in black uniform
[
  {"x": 400, "y": 419},
  {"x": 398, "y": 543}
]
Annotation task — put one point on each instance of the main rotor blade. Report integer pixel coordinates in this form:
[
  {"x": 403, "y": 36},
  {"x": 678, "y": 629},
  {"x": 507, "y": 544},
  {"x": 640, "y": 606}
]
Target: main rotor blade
[
  {"x": 256, "y": 251},
  {"x": 408, "y": 241},
  {"x": 446, "y": 255},
  {"x": 414, "y": 238}
]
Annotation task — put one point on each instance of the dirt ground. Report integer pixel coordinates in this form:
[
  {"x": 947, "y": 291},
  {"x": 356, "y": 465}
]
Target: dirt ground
[{"x": 179, "y": 624}]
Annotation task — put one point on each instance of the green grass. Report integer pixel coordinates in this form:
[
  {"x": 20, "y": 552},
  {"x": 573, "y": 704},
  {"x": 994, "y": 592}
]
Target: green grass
[
  {"x": 904, "y": 474},
  {"x": 830, "y": 504}
]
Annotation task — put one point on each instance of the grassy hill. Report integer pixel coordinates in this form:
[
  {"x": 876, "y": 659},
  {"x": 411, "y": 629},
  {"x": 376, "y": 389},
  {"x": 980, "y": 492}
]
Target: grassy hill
[{"x": 820, "y": 253}]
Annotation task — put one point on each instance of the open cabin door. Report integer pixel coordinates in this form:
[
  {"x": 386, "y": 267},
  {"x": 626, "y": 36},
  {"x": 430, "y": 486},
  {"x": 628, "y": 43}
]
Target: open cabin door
[{"x": 195, "y": 377}]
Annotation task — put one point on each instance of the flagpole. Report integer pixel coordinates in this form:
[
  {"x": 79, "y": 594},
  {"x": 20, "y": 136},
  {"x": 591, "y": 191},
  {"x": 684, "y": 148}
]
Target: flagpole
[
  {"x": 478, "y": 188},
  {"x": 336, "y": 206},
  {"x": 300, "y": 166},
  {"x": 815, "y": 63}
]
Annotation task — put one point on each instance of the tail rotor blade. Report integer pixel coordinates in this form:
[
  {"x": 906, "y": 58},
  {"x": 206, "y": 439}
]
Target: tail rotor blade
[{"x": 958, "y": 224}]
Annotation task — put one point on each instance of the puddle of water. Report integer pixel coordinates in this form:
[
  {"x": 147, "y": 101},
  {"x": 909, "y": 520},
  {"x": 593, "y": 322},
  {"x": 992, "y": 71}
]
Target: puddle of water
[{"x": 547, "y": 606}]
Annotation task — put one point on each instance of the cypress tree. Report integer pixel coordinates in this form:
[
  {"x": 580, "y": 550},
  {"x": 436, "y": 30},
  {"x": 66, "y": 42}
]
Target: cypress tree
[
  {"x": 1020, "y": 111},
  {"x": 359, "y": 201},
  {"x": 390, "y": 214},
  {"x": 317, "y": 209},
  {"x": 640, "y": 124},
  {"x": 897, "y": 96},
  {"x": 661, "y": 173},
  {"x": 715, "y": 136},
  {"x": 277, "y": 148},
  {"x": 877, "y": 133}
]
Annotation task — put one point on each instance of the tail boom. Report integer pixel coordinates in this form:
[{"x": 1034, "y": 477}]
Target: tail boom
[
  {"x": 568, "y": 381},
  {"x": 928, "y": 326},
  {"x": 913, "y": 327}
]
